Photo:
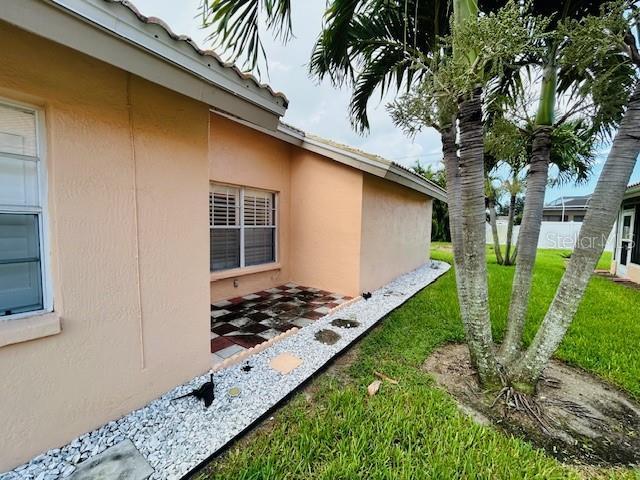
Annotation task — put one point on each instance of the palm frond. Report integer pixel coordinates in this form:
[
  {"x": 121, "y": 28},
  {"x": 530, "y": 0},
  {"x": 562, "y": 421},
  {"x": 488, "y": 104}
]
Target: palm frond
[{"x": 235, "y": 26}]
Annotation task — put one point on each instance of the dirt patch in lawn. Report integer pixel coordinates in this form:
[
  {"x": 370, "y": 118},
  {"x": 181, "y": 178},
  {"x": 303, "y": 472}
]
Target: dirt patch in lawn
[{"x": 582, "y": 420}]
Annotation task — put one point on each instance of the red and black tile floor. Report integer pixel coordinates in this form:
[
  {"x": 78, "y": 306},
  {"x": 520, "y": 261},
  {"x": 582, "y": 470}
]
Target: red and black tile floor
[{"x": 244, "y": 322}]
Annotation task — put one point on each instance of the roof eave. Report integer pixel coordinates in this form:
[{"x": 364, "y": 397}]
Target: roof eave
[
  {"x": 111, "y": 32},
  {"x": 632, "y": 191}
]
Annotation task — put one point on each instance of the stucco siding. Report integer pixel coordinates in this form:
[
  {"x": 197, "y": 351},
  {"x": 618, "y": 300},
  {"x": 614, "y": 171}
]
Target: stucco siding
[
  {"x": 633, "y": 272},
  {"x": 245, "y": 157},
  {"x": 326, "y": 200},
  {"x": 129, "y": 242},
  {"x": 396, "y": 231}
]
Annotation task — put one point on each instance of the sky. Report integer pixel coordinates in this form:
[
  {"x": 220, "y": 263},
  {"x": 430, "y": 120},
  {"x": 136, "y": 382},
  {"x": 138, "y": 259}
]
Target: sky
[{"x": 322, "y": 109}]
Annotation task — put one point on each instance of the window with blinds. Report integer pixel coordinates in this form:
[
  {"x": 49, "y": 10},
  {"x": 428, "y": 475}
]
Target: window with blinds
[
  {"x": 243, "y": 227},
  {"x": 21, "y": 277}
]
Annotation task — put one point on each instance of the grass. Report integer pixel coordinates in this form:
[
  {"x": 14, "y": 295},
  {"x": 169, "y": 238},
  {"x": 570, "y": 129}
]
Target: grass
[{"x": 332, "y": 430}]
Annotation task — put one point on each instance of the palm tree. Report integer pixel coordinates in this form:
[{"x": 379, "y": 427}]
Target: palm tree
[
  {"x": 440, "y": 216},
  {"x": 492, "y": 194},
  {"x": 558, "y": 78},
  {"x": 514, "y": 186},
  {"x": 509, "y": 142},
  {"x": 592, "y": 41}
]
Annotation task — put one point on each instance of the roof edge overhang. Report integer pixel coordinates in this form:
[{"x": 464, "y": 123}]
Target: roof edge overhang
[
  {"x": 379, "y": 168},
  {"x": 112, "y": 32},
  {"x": 567, "y": 207},
  {"x": 632, "y": 191}
]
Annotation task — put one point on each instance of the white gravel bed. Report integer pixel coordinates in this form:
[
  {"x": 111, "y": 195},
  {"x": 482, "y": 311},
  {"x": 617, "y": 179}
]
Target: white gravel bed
[{"x": 177, "y": 436}]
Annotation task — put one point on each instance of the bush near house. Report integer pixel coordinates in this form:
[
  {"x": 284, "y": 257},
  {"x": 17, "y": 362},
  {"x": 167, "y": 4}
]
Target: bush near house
[{"x": 414, "y": 430}]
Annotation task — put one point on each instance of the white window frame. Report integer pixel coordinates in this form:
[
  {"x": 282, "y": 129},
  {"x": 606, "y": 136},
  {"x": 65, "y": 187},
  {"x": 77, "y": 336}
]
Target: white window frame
[
  {"x": 275, "y": 227},
  {"x": 42, "y": 211}
]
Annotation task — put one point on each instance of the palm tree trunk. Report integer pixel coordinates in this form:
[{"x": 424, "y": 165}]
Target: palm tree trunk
[
  {"x": 527, "y": 242},
  {"x": 598, "y": 222},
  {"x": 475, "y": 303},
  {"x": 512, "y": 212},
  {"x": 452, "y": 169},
  {"x": 532, "y": 215},
  {"x": 494, "y": 231}
]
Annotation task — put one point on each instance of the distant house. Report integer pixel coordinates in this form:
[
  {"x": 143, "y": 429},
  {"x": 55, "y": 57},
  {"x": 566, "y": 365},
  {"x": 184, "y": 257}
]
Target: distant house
[
  {"x": 566, "y": 209},
  {"x": 626, "y": 261}
]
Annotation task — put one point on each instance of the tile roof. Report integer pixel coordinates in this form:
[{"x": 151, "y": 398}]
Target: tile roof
[
  {"x": 574, "y": 201},
  {"x": 204, "y": 53}
]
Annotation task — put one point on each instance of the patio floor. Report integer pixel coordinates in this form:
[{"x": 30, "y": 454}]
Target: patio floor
[{"x": 244, "y": 322}]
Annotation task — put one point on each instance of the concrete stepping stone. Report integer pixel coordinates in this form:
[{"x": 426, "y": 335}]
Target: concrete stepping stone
[
  {"x": 285, "y": 363},
  {"x": 122, "y": 461}
]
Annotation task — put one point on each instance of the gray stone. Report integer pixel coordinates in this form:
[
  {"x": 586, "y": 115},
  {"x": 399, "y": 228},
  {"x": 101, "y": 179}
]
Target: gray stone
[
  {"x": 120, "y": 462},
  {"x": 326, "y": 336},
  {"x": 345, "y": 323}
]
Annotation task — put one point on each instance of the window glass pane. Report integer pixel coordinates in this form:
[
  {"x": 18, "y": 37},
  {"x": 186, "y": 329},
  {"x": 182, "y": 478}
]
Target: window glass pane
[
  {"x": 626, "y": 227},
  {"x": 224, "y": 248},
  {"x": 224, "y": 206},
  {"x": 259, "y": 246},
  {"x": 259, "y": 208},
  {"x": 17, "y": 131},
  {"x": 20, "y": 277},
  {"x": 18, "y": 182}
]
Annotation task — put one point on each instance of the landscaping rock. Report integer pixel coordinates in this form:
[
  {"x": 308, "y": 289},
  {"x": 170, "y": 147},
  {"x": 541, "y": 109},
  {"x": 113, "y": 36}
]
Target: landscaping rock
[
  {"x": 328, "y": 337},
  {"x": 345, "y": 323}
]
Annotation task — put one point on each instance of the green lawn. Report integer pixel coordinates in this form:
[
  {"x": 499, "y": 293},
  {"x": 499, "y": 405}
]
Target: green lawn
[{"x": 413, "y": 430}]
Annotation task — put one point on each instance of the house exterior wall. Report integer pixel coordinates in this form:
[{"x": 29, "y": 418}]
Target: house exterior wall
[
  {"x": 319, "y": 211},
  {"x": 127, "y": 186},
  {"x": 633, "y": 272},
  {"x": 570, "y": 215},
  {"x": 396, "y": 231},
  {"x": 242, "y": 156},
  {"x": 326, "y": 199}
]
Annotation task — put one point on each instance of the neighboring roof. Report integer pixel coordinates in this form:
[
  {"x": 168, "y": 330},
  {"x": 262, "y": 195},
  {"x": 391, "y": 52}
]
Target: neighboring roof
[
  {"x": 569, "y": 202},
  {"x": 351, "y": 156},
  {"x": 633, "y": 190},
  {"x": 114, "y": 31}
]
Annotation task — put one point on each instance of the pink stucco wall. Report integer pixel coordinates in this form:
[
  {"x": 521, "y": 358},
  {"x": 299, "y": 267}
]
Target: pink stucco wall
[
  {"x": 319, "y": 200},
  {"x": 245, "y": 157},
  {"x": 339, "y": 229},
  {"x": 396, "y": 231},
  {"x": 128, "y": 184},
  {"x": 325, "y": 223}
]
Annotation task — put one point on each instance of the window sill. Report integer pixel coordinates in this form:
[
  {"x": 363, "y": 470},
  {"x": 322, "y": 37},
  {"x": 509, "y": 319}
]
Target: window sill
[
  {"x": 23, "y": 329},
  {"x": 238, "y": 272}
]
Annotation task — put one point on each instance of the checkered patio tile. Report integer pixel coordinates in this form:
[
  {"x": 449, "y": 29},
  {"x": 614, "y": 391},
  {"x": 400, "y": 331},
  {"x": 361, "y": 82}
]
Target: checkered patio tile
[{"x": 243, "y": 322}]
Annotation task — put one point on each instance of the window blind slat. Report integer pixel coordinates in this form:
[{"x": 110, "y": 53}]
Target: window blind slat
[
  {"x": 259, "y": 246},
  {"x": 224, "y": 249},
  {"x": 17, "y": 131}
]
